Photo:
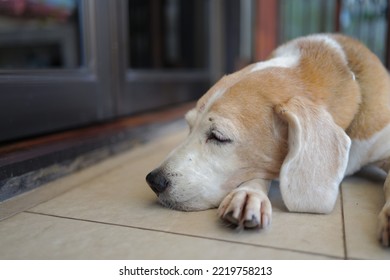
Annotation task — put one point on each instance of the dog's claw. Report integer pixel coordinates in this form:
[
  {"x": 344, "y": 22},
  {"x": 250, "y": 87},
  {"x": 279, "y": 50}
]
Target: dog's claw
[
  {"x": 229, "y": 217},
  {"x": 253, "y": 223},
  {"x": 384, "y": 226}
]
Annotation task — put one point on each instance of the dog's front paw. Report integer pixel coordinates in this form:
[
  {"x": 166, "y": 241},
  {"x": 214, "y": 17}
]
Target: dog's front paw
[
  {"x": 384, "y": 225},
  {"x": 247, "y": 208}
]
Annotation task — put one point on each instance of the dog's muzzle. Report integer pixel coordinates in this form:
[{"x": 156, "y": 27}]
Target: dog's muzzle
[{"x": 157, "y": 181}]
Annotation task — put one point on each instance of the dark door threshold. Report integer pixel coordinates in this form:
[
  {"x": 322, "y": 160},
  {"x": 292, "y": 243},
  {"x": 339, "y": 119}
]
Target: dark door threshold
[{"x": 27, "y": 164}]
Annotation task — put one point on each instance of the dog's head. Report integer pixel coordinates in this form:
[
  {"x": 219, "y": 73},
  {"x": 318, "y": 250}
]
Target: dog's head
[
  {"x": 232, "y": 138},
  {"x": 242, "y": 129}
]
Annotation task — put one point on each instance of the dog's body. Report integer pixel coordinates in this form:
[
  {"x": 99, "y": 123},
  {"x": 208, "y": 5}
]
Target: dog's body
[{"x": 317, "y": 110}]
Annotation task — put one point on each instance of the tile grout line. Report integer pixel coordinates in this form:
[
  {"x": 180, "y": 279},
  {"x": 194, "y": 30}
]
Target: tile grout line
[
  {"x": 343, "y": 222},
  {"x": 66, "y": 190},
  {"x": 182, "y": 234}
]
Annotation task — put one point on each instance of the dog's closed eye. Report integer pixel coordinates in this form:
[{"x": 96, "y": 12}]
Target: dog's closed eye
[{"x": 216, "y": 137}]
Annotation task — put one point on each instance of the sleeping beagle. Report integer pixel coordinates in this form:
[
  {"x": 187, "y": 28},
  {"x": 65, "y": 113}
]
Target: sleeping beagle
[{"x": 316, "y": 111}]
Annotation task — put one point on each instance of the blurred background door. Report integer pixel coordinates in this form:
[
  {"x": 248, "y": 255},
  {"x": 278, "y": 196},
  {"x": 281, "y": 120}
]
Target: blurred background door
[
  {"x": 165, "y": 54},
  {"x": 69, "y": 63},
  {"x": 54, "y": 65}
]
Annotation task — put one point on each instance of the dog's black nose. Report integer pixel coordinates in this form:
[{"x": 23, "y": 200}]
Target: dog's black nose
[{"x": 157, "y": 181}]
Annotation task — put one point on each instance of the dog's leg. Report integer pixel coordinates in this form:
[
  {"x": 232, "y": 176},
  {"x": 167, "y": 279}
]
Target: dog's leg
[
  {"x": 248, "y": 205},
  {"x": 384, "y": 215}
]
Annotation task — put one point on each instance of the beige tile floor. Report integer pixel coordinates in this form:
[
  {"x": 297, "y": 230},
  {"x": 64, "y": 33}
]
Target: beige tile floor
[{"x": 108, "y": 212}]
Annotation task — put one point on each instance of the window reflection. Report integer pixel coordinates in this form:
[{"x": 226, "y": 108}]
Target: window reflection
[
  {"x": 36, "y": 34},
  {"x": 167, "y": 33}
]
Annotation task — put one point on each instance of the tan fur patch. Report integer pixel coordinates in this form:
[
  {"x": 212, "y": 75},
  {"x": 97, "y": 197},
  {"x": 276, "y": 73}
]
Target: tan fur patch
[
  {"x": 374, "y": 84},
  {"x": 324, "y": 77}
]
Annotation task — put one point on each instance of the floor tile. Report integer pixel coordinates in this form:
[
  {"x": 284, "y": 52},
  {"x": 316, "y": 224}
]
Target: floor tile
[
  {"x": 32, "y": 236},
  {"x": 122, "y": 197},
  {"x": 362, "y": 202},
  {"x": 62, "y": 185}
]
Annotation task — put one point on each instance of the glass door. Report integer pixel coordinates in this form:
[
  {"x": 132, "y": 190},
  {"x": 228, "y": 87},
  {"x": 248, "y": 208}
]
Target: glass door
[
  {"x": 166, "y": 56},
  {"x": 69, "y": 63},
  {"x": 54, "y": 74}
]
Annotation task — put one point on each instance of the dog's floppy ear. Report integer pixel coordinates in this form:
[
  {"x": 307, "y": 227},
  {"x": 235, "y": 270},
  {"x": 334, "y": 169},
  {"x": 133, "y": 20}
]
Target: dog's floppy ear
[{"x": 317, "y": 157}]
